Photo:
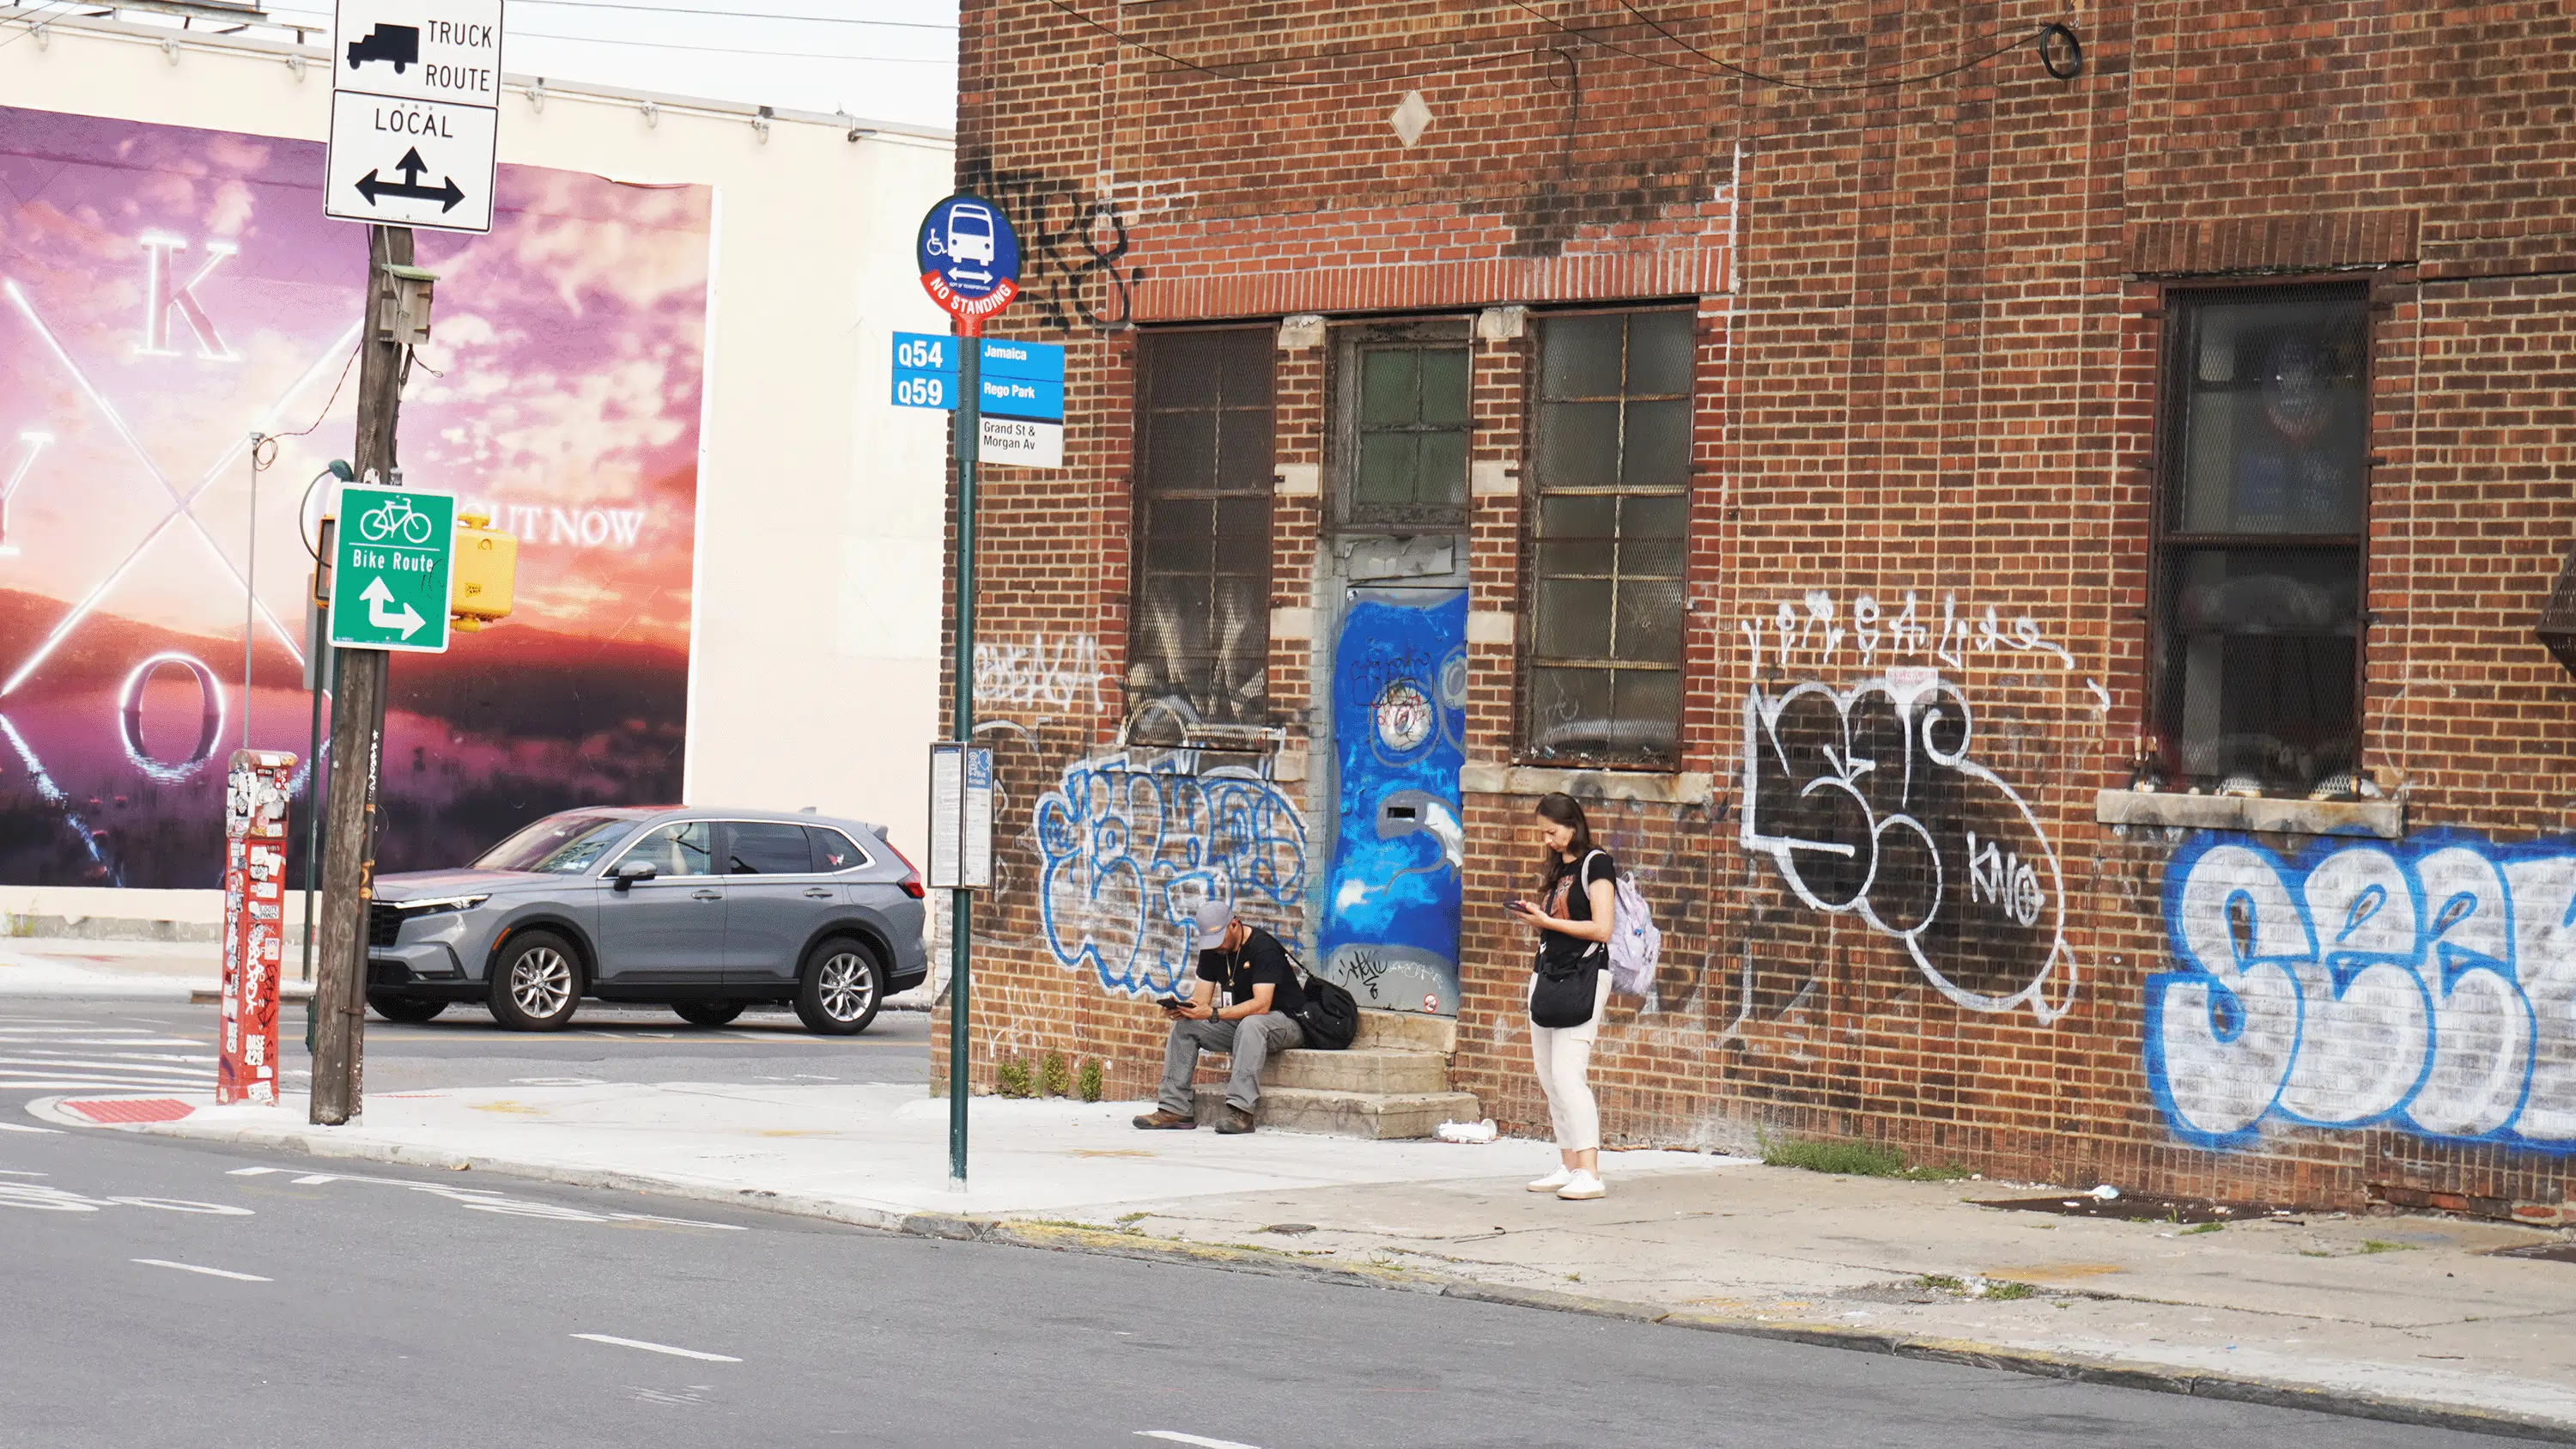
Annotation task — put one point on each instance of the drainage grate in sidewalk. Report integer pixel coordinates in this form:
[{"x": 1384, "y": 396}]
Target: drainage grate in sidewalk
[{"x": 2144, "y": 1207}]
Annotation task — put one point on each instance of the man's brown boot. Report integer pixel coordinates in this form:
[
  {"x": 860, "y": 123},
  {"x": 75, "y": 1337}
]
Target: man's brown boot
[
  {"x": 1159, "y": 1120},
  {"x": 1233, "y": 1121}
]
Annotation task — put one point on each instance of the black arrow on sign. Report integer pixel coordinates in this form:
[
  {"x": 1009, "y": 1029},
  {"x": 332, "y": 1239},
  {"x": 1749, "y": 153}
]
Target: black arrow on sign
[{"x": 411, "y": 166}]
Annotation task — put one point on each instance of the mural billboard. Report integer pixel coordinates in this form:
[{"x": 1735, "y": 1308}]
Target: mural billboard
[{"x": 167, "y": 292}]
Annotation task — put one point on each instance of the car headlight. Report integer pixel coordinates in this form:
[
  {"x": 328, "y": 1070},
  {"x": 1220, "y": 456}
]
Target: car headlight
[{"x": 436, "y": 904}]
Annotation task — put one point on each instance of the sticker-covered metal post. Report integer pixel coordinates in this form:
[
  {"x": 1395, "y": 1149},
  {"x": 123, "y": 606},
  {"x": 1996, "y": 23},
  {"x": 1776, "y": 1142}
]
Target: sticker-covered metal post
[{"x": 970, "y": 266}]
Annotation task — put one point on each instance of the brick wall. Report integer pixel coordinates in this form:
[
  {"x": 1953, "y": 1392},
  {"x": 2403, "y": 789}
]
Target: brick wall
[{"x": 1930, "y": 322}]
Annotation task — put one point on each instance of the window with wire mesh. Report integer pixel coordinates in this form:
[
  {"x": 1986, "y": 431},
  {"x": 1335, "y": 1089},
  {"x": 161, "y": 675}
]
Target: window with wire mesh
[
  {"x": 1199, "y": 638},
  {"x": 1415, "y": 421},
  {"x": 1610, "y": 533},
  {"x": 2260, "y": 552}
]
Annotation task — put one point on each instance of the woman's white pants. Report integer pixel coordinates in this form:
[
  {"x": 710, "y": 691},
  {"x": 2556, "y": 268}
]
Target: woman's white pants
[{"x": 1563, "y": 1056}]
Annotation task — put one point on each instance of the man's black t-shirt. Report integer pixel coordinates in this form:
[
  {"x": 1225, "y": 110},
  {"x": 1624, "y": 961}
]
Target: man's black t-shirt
[{"x": 1262, "y": 959}]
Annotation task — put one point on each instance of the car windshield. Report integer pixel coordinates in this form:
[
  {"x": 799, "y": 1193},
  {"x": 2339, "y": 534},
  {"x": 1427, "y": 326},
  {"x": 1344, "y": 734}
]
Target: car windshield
[{"x": 557, "y": 845}]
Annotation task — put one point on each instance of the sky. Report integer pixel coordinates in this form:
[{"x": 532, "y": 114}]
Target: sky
[{"x": 880, "y": 60}]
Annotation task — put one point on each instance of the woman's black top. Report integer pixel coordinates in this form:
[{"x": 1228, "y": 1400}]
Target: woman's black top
[{"x": 1571, "y": 900}]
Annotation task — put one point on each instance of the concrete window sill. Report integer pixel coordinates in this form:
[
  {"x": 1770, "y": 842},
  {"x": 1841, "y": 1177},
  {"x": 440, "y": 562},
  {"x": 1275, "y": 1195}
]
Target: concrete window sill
[
  {"x": 2385, "y": 819},
  {"x": 1651, "y": 787}
]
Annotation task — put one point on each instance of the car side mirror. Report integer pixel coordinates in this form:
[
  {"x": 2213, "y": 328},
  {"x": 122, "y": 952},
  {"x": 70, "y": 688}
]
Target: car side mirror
[{"x": 629, "y": 872}]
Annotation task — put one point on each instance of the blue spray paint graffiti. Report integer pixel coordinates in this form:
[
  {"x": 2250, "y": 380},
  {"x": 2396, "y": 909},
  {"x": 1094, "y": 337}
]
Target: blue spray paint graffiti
[
  {"x": 1129, "y": 850},
  {"x": 2428, "y": 986},
  {"x": 1390, "y": 928}
]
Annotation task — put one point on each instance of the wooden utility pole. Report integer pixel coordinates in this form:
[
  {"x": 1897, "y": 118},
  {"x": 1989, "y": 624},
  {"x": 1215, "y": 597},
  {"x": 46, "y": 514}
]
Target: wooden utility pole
[{"x": 357, "y": 736}]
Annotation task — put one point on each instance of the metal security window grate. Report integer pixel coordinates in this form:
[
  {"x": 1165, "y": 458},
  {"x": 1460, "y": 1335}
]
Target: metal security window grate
[
  {"x": 1200, "y": 640},
  {"x": 2260, "y": 550},
  {"x": 1610, "y": 537}
]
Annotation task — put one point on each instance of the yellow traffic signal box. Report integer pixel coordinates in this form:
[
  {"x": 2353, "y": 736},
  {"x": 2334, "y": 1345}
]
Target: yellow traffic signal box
[{"x": 487, "y": 571}]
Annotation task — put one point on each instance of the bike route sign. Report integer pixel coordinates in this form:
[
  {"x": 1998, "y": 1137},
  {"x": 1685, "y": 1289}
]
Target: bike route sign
[{"x": 393, "y": 560}]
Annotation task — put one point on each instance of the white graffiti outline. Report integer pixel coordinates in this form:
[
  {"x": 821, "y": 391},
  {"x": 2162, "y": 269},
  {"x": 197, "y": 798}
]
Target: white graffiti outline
[{"x": 1913, "y": 693}]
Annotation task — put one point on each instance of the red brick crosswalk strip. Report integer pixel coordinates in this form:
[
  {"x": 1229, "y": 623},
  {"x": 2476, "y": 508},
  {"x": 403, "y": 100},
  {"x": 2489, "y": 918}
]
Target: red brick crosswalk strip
[{"x": 150, "y": 1109}]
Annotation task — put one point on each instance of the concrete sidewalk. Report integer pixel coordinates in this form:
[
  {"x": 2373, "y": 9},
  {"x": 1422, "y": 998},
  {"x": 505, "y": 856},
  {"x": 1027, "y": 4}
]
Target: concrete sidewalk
[
  {"x": 70, "y": 967},
  {"x": 2392, "y": 1317}
]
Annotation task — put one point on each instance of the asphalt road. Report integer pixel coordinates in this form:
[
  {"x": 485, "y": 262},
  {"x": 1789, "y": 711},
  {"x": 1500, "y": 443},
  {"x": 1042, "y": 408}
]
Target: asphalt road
[
  {"x": 165, "y": 1293},
  {"x": 54, "y": 1046}
]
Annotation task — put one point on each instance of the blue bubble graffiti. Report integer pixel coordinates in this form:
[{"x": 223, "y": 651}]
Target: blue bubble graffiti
[
  {"x": 2428, "y": 986},
  {"x": 1129, "y": 850}
]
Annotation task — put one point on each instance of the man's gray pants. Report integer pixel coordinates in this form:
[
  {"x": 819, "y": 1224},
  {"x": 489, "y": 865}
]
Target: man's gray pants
[{"x": 1250, "y": 1041}]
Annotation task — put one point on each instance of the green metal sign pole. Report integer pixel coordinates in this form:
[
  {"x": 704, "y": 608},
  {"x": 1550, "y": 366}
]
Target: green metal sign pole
[{"x": 961, "y": 937}]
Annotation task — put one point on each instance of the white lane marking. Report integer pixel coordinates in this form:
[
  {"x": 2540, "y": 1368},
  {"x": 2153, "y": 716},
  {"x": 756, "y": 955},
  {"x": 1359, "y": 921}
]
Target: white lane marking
[
  {"x": 209, "y": 1272},
  {"x": 253, "y": 1171},
  {"x": 52, "y": 1043},
  {"x": 682, "y": 1222},
  {"x": 1177, "y": 1437},
  {"x": 315, "y": 1179},
  {"x": 94, "y": 1087},
  {"x": 16, "y": 1127},
  {"x": 187, "y": 1205},
  {"x": 610, "y": 1338},
  {"x": 21, "y": 1172},
  {"x": 122, "y": 1061}
]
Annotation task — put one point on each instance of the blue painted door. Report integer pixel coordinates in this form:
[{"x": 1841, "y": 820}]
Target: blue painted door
[{"x": 1390, "y": 930}]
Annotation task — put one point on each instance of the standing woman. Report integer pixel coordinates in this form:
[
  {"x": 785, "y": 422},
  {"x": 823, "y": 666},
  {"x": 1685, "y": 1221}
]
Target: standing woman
[{"x": 1569, "y": 985}]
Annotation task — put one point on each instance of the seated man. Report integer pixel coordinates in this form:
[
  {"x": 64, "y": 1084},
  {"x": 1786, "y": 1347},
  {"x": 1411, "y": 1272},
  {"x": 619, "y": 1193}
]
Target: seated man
[{"x": 1255, "y": 1017}]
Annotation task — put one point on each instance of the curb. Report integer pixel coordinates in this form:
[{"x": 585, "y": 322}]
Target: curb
[{"x": 1270, "y": 1262}]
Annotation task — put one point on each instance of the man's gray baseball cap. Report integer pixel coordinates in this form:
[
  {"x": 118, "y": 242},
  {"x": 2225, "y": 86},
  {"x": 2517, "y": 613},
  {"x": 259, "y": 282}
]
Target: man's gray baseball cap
[{"x": 1214, "y": 917}]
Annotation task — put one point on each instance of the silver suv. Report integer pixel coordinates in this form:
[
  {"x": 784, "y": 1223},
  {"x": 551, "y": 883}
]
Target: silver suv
[{"x": 705, "y": 911}]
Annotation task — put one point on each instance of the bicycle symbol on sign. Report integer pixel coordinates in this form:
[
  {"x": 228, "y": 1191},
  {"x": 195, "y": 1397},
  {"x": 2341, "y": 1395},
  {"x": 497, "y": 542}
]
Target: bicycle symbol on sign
[{"x": 394, "y": 518}]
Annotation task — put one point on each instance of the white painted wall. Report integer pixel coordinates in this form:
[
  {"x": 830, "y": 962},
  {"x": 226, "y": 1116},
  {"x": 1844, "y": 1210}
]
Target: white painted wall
[{"x": 814, "y": 668}]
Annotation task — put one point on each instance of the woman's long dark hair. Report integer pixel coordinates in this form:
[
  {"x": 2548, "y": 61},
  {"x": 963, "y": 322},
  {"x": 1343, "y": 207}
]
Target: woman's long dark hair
[{"x": 1564, "y": 809}]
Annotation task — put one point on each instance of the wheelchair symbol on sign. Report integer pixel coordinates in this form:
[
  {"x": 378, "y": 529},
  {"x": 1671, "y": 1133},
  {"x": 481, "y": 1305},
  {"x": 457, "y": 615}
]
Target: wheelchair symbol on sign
[{"x": 394, "y": 518}]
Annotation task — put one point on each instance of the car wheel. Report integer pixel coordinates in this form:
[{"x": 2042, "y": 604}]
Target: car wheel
[
  {"x": 707, "y": 1013},
  {"x": 536, "y": 983},
  {"x": 838, "y": 991},
  {"x": 405, "y": 1008}
]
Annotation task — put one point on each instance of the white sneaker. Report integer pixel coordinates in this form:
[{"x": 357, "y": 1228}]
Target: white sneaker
[
  {"x": 1553, "y": 1180},
  {"x": 1581, "y": 1186}
]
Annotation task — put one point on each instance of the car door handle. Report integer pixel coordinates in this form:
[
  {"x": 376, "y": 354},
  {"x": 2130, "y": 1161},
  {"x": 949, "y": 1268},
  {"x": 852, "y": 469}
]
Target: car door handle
[
  {"x": 706, "y": 895},
  {"x": 819, "y": 893}
]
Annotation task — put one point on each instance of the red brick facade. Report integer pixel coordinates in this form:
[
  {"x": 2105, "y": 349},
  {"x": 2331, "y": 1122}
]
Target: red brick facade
[{"x": 1932, "y": 366}]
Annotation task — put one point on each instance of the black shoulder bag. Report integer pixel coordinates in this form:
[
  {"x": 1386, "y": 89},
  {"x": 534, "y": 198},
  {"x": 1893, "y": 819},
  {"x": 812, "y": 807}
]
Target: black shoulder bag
[
  {"x": 1331, "y": 1017},
  {"x": 1563, "y": 996}
]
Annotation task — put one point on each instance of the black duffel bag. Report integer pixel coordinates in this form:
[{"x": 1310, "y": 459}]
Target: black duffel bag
[{"x": 1331, "y": 1018}]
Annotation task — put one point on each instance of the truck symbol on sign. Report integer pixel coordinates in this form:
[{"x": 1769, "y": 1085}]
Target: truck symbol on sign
[{"x": 396, "y": 44}]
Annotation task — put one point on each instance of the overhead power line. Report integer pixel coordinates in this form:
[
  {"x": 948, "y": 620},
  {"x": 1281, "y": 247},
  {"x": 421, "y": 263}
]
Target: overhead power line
[
  {"x": 1712, "y": 65},
  {"x": 949, "y": 26},
  {"x": 735, "y": 50}
]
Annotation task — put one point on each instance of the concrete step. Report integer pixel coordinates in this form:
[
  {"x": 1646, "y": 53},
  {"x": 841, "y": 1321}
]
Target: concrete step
[
  {"x": 1406, "y": 1031},
  {"x": 1358, "y": 1070},
  {"x": 1380, "y": 1115}
]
